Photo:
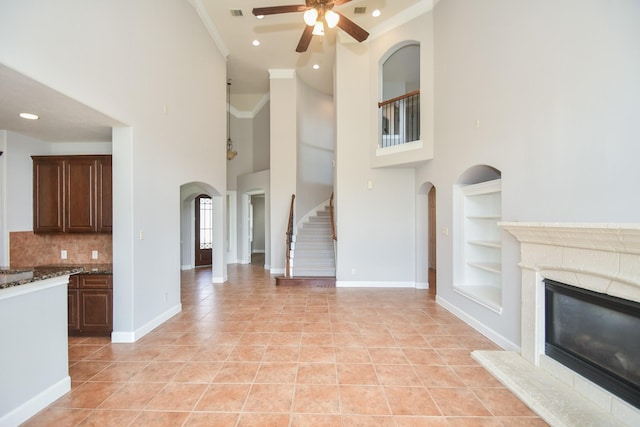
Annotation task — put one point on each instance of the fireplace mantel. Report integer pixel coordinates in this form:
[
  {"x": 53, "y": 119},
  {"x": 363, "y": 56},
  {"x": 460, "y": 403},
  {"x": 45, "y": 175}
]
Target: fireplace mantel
[
  {"x": 600, "y": 257},
  {"x": 603, "y": 258},
  {"x": 621, "y": 238}
]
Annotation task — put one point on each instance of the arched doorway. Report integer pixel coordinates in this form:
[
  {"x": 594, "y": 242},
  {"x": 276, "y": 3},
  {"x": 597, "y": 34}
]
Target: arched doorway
[
  {"x": 426, "y": 237},
  {"x": 189, "y": 193}
]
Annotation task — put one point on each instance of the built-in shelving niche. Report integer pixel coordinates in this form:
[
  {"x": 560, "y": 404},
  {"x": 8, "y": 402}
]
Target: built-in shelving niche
[{"x": 478, "y": 246}]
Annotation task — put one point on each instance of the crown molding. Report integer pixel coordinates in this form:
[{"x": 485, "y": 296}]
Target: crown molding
[
  {"x": 252, "y": 113},
  {"x": 213, "y": 31}
]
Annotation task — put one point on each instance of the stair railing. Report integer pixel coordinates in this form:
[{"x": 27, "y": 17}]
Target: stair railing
[
  {"x": 333, "y": 223},
  {"x": 288, "y": 270}
]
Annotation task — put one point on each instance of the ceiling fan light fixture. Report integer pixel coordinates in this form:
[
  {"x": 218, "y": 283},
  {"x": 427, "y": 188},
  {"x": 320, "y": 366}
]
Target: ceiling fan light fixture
[
  {"x": 311, "y": 16},
  {"x": 331, "y": 18},
  {"x": 318, "y": 29},
  {"x": 29, "y": 116}
]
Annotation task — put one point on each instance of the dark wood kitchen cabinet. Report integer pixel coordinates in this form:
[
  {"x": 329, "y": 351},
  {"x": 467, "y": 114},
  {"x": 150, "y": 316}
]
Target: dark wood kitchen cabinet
[
  {"x": 90, "y": 310},
  {"x": 48, "y": 195},
  {"x": 105, "y": 196},
  {"x": 72, "y": 194}
]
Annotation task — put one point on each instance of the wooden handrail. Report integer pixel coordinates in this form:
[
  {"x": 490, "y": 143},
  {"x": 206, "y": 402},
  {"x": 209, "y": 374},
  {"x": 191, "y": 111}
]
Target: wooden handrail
[
  {"x": 289, "y": 238},
  {"x": 333, "y": 223},
  {"x": 398, "y": 98}
]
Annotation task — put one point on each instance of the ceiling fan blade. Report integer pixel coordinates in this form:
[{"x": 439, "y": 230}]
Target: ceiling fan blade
[
  {"x": 351, "y": 28},
  {"x": 279, "y": 9},
  {"x": 303, "y": 44}
]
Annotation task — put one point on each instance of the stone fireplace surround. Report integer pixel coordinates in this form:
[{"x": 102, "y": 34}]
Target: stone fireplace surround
[{"x": 604, "y": 258}]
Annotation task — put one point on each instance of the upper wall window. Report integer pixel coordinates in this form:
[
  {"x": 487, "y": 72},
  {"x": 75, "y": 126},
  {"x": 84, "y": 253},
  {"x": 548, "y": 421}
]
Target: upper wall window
[{"x": 399, "y": 113}]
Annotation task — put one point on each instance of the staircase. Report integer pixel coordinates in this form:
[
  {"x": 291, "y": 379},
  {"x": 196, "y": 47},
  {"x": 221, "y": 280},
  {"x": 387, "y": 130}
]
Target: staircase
[{"x": 313, "y": 253}]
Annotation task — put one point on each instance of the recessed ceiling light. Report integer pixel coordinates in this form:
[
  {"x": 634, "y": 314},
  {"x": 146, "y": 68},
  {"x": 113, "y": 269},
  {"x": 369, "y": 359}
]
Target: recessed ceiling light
[
  {"x": 29, "y": 116},
  {"x": 375, "y": 13},
  {"x": 256, "y": 42},
  {"x": 316, "y": 66},
  {"x": 259, "y": 16}
]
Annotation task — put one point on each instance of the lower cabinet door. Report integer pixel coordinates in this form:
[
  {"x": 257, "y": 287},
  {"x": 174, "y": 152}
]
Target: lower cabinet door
[
  {"x": 96, "y": 311},
  {"x": 73, "y": 310}
]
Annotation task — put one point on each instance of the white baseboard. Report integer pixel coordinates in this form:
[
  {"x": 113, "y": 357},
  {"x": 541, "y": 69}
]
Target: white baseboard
[
  {"x": 133, "y": 336},
  {"x": 422, "y": 285},
  {"x": 373, "y": 284},
  {"x": 217, "y": 279},
  {"x": 37, "y": 403},
  {"x": 233, "y": 261},
  {"x": 257, "y": 251},
  {"x": 186, "y": 267},
  {"x": 480, "y": 327},
  {"x": 274, "y": 270}
]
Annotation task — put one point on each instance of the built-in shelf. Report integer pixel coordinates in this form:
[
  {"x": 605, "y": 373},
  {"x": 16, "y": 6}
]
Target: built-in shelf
[
  {"x": 478, "y": 249},
  {"x": 491, "y": 267},
  {"x": 488, "y": 296},
  {"x": 486, "y": 243}
]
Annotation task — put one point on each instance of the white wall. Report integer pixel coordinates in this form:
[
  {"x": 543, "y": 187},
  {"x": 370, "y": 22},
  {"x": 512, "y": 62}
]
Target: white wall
[
  {"x": 261, "y": 145},
  {"x": 557, "y": 96},
  {"x": 19, "y": 179},
  {"x": 316, "y": 142},
  {"x": 375, "y": 228},
  {"x": 242, "y": 137},
  {"x": 283, "y": 170},
  {"x": 155, "y": 67}
]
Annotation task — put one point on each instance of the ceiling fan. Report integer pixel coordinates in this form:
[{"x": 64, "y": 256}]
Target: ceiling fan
[{"x": 317, "y": 13}]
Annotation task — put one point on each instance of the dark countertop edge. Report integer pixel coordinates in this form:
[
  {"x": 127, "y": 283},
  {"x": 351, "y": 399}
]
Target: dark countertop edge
[{"x": 50, "y": 271}]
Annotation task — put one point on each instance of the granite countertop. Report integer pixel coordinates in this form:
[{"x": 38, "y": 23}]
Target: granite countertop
[{"x": 10, "y": 277}]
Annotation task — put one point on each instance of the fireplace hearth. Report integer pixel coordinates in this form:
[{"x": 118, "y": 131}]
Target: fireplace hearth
[
  {"x": 595, "y": 335},
  {"x": 600, "y": 258}
]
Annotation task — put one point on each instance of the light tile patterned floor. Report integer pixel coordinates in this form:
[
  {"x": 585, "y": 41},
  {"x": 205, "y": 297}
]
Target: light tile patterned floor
[{"x": 248, "y": 353}]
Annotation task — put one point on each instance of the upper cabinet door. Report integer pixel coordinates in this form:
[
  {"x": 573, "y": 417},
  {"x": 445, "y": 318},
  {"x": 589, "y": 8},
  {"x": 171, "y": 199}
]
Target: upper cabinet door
[
  {"x": 81, "y": 206},
  {"x": 105, "y": 214},
  {"x": 48, "y": 195},
  {"x": 72, "y": 194}
]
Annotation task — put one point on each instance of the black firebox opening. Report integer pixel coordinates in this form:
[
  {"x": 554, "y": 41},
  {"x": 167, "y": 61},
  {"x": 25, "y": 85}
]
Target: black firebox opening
[{"x": 596, "y": 335}]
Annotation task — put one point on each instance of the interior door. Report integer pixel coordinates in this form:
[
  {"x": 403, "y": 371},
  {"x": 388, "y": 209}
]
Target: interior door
[{"x": 203, "y": 230}]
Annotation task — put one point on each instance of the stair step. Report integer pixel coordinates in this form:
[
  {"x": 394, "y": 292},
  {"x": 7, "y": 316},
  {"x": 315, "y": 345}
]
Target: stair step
[
  {"x": 319, "y": 282},
  {"x": 314, "y": 253},
  {"x": 301, "y": 263},
  {"x": 315, "y": 239},
  {"x": 314, "y": 272}
]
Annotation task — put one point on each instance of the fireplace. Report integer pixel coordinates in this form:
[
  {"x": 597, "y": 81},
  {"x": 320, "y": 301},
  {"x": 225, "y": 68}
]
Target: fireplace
[
  {"x": 595, "y": 335},
  {"x": 601, "y": 259}
]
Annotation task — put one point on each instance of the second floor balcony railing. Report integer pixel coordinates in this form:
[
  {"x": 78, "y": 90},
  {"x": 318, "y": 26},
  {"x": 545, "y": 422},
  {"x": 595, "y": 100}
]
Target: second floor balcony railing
[{"x": 400, "y": 119}]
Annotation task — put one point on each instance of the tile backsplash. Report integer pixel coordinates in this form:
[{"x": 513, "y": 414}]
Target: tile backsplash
[{"x": 28, "y": 249}]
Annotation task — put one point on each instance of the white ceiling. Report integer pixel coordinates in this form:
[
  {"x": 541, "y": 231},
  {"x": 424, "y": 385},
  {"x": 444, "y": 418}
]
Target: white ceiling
[
  {"x": 63, "y": 119},
  {"x": 248, "y": 65}
]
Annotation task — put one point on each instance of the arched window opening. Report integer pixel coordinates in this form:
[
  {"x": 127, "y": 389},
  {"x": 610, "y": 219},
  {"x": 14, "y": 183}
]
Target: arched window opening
[{"x": 400, "y": 109}]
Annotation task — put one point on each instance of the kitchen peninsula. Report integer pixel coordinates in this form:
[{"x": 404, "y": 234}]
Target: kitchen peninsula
[{"x": 34, "y": 367}]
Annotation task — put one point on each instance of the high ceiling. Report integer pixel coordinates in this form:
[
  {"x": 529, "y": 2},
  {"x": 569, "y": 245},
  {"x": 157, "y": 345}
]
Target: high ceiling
[
  {"x": 67, "y": 120},
  {"x": 248, "y": 65}
]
